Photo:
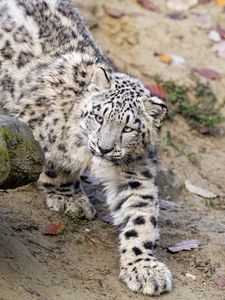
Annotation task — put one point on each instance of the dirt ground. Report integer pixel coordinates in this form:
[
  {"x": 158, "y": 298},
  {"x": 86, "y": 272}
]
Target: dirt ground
[{"x": 82, "y": 263}]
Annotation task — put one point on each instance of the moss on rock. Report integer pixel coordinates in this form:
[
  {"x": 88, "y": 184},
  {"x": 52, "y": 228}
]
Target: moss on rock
[{"x": 21, "y": 157}]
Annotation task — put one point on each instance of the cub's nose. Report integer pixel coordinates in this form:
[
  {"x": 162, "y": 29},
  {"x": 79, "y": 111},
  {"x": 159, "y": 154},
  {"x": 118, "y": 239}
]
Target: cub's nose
[{"x": 105, "y": 150}]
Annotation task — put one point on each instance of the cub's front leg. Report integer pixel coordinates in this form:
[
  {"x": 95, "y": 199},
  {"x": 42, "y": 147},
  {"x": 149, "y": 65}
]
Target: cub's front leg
[
  {"x": 135, "y": 210},
  {"x": 64, "y": 193}
]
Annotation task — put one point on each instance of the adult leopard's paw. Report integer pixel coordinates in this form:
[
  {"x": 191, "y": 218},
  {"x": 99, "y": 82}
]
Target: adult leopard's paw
[
  {"x": 71, "y": 206},
  {"x": 149, "y": 277}
]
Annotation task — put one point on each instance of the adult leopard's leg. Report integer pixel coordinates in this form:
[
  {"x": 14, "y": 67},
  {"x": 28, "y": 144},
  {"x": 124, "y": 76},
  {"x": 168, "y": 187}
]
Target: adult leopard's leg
[
  {"x": 135, "y": 208},
  {"x": 64, "y": 193}
]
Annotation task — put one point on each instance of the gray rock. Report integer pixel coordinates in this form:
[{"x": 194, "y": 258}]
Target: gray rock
[
  {"x": 211, "y": 225},
  {"x": 170, "y": 185},
  {"x": 21, "y": 157}
]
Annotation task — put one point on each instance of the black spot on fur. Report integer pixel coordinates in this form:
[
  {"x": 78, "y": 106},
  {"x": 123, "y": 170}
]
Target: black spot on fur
[
  {"x": 137, "y": 251},
  {"x": 65, "y": 185},
  {"x": 84, "y": 179},
  {"x": 131, "y": 233},
  {"x": 51, "y": 174},
  {"x": 134, "y": 184},
  {"x": 152, "y": 153},
  {"x": 153, "y": 221},
  {"x": 24, "y": 58},
  {"x": 48, "y": 185},
  {"x": 122, "y": 187},
  {"x": 139, "y": 204},
  {"x": 52, "y": 139},
  {"x": 139, "y": 220},
  {"x": 8, "y": 84},
  {"x": 51, "y": 192},
  {"x": 156, "y": 287},
  {"x": 77, "y": 184},
  {"x": 147, "y": 197},
  {"x": 150, "y": 245},
  {"x": 62, "y": 148},
  {"x": 44, "y": 5},
  {"x": 124, "y": 251},
  {"x": 120, "y": 203},
  {"x": 55, "y": 121},
  {"x": 130, "y": 173},
  {"x": 7, "y": 51},
  {"x": 124, "y": 222},
  {"x": 147, "y": 174},
  {"x": 32, "y": 122}
]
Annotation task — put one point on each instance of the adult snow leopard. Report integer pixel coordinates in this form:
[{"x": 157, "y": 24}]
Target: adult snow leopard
[{"x": 86, "y": 115}]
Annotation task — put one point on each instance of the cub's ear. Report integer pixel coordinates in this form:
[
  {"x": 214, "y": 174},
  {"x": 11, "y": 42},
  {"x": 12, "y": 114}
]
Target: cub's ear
[
  {"x": 100, "y": 80},
  {"x": 155, "y": 108}
]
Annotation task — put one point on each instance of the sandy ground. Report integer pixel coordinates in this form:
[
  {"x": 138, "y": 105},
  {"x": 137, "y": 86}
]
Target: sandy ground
[{"x": 82, "y": 263}]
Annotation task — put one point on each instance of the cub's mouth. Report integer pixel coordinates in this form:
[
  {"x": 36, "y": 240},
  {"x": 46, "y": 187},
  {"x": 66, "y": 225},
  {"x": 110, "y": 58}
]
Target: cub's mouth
[
  {"x": 118, "y": 160},
  {"x": 105, "y": 156}
]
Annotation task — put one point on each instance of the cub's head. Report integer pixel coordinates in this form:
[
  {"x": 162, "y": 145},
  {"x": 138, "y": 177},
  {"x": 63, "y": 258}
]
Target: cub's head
[{"x": 120, "y": 117}]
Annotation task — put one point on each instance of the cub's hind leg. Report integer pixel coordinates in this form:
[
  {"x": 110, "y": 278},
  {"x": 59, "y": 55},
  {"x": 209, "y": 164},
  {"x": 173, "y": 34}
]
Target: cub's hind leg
[{"x": 64, "y": 193}]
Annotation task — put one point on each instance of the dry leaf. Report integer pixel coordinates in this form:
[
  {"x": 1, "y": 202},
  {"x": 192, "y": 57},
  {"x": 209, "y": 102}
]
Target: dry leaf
[
  {"x": 184, "y": 245},
  {"x": 113, "y": 12},
  {"x": 221, "y": 3},
  {"x": 157, "y": 90},
  {"x": 148, "y": 5},
  {"x": 220, "y": 281},
  {"x": 165, "y": 58},
  {"x": 53, "y": 229},
  {"x": 199, "y": 191},
  {"x": 208, "y": 73},
  {"x": 203, "y": 129}
]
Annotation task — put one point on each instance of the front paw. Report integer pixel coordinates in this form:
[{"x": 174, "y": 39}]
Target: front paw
[
  {"x": 80, "y": 207},
  {"x": 146, "y": 275},
  {"x": 77, "y": 208}
]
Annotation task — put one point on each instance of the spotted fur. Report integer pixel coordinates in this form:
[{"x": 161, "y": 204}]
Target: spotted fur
[{"x": 86, "y": 115}]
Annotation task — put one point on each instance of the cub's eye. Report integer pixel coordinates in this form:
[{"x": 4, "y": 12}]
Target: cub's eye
[
  {"x": 128, "y": 129},
  {"x": 99, "y": 119}
]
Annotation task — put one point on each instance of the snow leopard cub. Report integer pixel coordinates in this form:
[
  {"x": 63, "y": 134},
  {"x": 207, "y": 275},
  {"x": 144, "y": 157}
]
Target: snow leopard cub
[{"x": 86, "y": 115}]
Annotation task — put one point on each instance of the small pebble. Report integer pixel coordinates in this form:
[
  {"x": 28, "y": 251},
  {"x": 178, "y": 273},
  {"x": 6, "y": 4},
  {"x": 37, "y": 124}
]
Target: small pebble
[
  {"x": 214, "y": 36},
  {"x": 178, "y": 60}
]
